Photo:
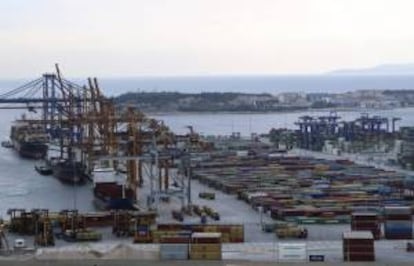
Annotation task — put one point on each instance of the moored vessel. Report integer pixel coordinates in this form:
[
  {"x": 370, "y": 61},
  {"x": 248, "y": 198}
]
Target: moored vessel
[
  {"x": 68, "y": 171},
  {"x": 43, "y": 169},
  {"x": 110, "y": 190},
  {"x": 29, "y": 139}
]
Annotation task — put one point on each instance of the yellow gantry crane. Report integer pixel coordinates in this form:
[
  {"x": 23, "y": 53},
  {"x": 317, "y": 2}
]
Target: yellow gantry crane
[{"x": 82, "y": 119}]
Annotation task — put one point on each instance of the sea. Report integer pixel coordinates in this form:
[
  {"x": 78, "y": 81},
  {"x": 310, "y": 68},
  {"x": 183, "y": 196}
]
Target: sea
[
  {"x": 272, "y": 84},
  {"x": 22, "y": 187}
]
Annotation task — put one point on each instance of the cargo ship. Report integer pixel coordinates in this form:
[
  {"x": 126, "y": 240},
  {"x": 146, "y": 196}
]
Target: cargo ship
[
  {"x": 67, "y": 164},
  {"x": 29, "y": 139},
  {"x": 110, "y": 190},
  {"x": 68, "y": 171}
]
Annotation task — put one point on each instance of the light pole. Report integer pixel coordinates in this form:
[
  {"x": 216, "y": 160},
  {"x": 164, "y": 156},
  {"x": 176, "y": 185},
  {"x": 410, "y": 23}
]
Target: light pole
[
  {"x": 261, "y": 216},
  {"x": 186, "y": 164}
]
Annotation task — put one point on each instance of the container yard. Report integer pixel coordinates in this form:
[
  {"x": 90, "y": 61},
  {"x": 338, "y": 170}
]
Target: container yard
[
  {"x": 248, "y": 224},
  {"x": 304, "y": 190},
  {"x": 163, "y": 196}
]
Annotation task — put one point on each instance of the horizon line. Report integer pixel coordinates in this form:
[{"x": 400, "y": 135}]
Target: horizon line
[{"x": 216, "y": 75}]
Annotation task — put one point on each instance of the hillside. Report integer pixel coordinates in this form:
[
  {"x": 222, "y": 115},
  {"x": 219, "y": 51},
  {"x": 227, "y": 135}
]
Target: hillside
[{"x": 200, "y": 102}]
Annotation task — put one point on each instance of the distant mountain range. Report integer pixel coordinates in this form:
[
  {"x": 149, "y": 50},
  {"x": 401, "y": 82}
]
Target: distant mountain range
[{"x": 386, "y": 69}]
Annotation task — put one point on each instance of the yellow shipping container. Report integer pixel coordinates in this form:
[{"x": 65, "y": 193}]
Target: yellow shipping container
[
  {"x": 236, "y": 229},
  {"x": 225, "y": 238},
  {"x": 205, "y": 255},
  {"x": 156, "y": 235},
  {"x": 210, "y": 229},
  {"x": 322, "y": 167},
  {"x": 205, "y": 248}
]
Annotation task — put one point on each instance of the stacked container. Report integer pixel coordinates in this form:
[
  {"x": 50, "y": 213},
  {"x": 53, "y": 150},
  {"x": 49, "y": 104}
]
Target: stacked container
[
  {"x": 205, "y": 246},
  {"x": 398, "y": 222},
  {"x": 142, "y": 234},
  {"x": 230, "y": 233},
  {"x": 366, "y": 221},
  {"x": 236, "y": 234},
  {"x": 358, "y": 246},
  {"x": 175, "y": 247}
]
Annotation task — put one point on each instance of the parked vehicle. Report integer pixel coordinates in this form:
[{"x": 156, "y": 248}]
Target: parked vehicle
[{"x": 291, "y": 231}]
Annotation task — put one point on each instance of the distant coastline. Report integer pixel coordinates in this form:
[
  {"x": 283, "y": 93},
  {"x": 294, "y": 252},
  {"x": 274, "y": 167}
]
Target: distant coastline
[
  {"x": 230, "y": 102},
  {"x": 362, "y": 110}
]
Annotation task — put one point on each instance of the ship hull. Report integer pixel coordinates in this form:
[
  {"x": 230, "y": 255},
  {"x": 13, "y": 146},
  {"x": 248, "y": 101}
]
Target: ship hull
[
  {"x": 31, "y": 150},
  {"x": 112, "y": 196},
  {"x": 44, "y": 170},
  {"x": 113, "y": 204},
  {"x": 69, "y": 173}
]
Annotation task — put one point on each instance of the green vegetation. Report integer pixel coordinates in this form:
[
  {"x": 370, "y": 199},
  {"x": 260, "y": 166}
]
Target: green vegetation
[
  {"x": 200, "y": 102},
  {"x": 284, "y": 137}
]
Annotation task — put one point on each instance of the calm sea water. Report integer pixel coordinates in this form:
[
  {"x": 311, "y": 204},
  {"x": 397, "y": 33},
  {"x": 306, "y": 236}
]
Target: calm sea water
[
  {"x": 22, "y": 187},
  {"x": 226, "y": 123},
  {"x": 247, "y": 84}
]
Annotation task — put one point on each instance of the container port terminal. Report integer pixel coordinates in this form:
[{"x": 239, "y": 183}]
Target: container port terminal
[{"x": 160, "y": 196}]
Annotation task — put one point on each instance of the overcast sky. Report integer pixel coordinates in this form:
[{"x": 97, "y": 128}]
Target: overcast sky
[{"x": 108, "y": 38}]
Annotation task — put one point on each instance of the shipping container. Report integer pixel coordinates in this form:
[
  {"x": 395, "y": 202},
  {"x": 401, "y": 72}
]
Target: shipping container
[
  {"x": 174, "y": 251},
  {"x": 205, "y": 255},
  {"x": 206, "y": 238},
  {"x": 205, "y": 246},
  {"x": 358, "y": 246},
  {"x": 397, "y": 210},
  {"x": 366, "y": 221},
  {"x": 398, "y": 229}
]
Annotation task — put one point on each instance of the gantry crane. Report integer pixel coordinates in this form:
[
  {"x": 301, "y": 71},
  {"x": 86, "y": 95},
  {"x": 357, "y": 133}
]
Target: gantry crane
[{"x": 82, "y": 118}]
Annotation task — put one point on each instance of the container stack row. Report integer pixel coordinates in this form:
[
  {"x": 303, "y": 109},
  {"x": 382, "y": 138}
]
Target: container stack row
[
  {"x": 398, "y": 222},
  {"x": 194, "y": 246},
  {"x": 205, "y": 246},
  {"x": 229, "y": 233},
  {"x": 175, "y": 247},
  {"x": 366, "y": 221},
  {"x": 302, "y": 189},
  {"x": 358, "y": 246}
]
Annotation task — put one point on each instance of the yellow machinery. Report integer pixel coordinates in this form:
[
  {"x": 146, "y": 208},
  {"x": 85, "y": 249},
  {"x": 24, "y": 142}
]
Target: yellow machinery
[{"x": 291, "y": 231}]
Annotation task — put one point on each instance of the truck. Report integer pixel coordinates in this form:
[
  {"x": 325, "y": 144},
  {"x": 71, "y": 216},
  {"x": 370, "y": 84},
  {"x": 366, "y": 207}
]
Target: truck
[
  {"x": 177, "y": 215},
  {"x": 81, "y": 235},
  {"x": 211, "y": 212},
  {"x": 207, "y": 195},
  {"x": 410, "y": 247},
  {"x": 291, "y": 231},
  {"x": 271, "y": 227},
  {"x": 197, "y": 210}
]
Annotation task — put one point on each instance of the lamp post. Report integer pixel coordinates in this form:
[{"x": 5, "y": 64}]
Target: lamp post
[
  {"x": 186, "y": 165},
  {"x": 261, "y": 215}
]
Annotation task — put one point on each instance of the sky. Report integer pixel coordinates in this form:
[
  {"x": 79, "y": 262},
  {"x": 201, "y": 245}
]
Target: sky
[{"x": 117, "y": 38}]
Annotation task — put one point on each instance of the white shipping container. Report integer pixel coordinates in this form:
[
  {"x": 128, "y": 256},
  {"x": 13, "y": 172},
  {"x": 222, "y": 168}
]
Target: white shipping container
[
  {"x": 174, "y": 251},
  {"x": 292, "y": 252},
  {"x": 242, "y": 153}
]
